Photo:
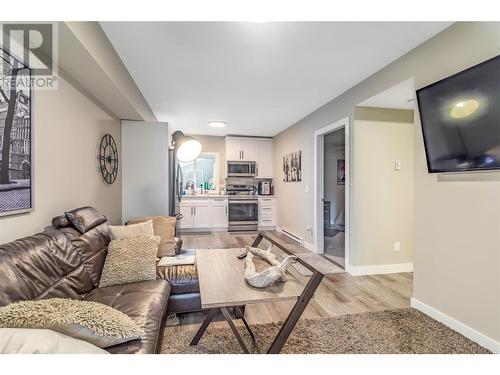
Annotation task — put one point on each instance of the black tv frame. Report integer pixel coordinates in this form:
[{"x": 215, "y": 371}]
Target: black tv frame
[{"x": 429, "y": 169}]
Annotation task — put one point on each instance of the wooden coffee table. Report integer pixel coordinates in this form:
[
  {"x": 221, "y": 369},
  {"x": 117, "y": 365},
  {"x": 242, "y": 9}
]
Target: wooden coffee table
[{"x": 223, "y": 286}]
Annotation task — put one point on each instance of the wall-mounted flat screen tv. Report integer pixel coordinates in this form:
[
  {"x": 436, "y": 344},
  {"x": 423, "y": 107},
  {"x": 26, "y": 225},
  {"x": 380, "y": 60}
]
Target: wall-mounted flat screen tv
[{"x": 460, "y": 118}]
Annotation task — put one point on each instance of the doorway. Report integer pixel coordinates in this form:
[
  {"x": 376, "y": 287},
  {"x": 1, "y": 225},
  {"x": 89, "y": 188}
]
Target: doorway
[
  {"x": 331, "y": 208},
  {"x": 334, "y": 196}
]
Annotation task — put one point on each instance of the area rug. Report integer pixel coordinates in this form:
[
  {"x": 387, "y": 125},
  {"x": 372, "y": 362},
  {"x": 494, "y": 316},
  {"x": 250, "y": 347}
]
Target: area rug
[{"x": 402, "y": 331}]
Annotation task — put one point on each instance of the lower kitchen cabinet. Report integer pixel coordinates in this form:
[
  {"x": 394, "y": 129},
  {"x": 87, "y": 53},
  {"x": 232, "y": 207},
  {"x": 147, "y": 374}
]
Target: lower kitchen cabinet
[
  {"x": 219, "y": 213},
  {"x": 203, "y": 213},
  {"x": 267, "y": 212}
]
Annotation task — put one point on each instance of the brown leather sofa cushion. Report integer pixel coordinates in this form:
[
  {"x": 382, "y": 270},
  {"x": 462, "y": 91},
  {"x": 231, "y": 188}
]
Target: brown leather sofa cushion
[
  {"x": 85, "y": 218},
  {"x": 184, "y": 279},
  {"x": 41, "y": 266},
  {"x": 146, "y": 303}
]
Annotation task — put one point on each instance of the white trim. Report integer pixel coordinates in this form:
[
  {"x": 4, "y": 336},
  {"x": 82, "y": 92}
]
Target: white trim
[
  {"x": 470, "y": 333},
  {"x": 319, "y": 188},
  {"x": 378, "y": 269},
  {"x": 309, "y": 246}
]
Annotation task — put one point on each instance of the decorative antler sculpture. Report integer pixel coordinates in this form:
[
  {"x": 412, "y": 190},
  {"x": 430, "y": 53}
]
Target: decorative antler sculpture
[{"x": 269, "y": 276}]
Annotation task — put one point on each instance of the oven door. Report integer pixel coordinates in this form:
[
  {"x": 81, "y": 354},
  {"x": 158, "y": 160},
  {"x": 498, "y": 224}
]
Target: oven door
[
  {"x": 240, "y": 169},
  {"x": 243, "y": 214}
]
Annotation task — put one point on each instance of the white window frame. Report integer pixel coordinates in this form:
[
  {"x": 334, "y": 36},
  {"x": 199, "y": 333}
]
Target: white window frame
[{"x": 216, "y": 168}]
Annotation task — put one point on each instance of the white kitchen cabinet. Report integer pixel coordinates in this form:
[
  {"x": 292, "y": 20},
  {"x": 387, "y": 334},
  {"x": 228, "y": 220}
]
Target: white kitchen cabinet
[
  {"x": 201, "y": 217},
  {"x": 203, "y": 213},
  {"x": 219, "y": 213},
  {"x": 264, "y": 158},
  {"x": 248, "y": 149},
  {"x": 233, "y": 149},
  {"x": 240, "y": 149},
  {"x": 267, "y": 212},
  {"x": 186, "y": 210}
]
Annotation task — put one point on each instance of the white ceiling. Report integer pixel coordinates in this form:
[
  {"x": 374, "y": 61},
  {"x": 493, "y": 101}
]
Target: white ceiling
[
  {"x": 260, "y": 78},
  {"x": 400, "y": 96}
]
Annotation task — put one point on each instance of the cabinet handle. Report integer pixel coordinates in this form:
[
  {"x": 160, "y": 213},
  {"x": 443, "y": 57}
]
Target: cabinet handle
[
  {"x": 243, "y": 154},
  {"x": 194, "y": 210},
  {"x": 226, "y": 211}
]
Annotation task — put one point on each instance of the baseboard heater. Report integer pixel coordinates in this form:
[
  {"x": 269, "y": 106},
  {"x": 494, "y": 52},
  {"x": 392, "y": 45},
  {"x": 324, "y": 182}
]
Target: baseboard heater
[{"x": 292, "y": 237}]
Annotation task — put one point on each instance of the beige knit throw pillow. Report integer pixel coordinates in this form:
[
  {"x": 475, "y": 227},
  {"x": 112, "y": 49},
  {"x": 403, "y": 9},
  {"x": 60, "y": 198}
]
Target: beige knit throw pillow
[
  {"x": 98, "y": 324},
  {"x": 130, "y": 260}
]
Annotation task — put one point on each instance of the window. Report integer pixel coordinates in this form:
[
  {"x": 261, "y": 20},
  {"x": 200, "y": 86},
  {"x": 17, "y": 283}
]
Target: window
[{"x": 205, "y": 169}]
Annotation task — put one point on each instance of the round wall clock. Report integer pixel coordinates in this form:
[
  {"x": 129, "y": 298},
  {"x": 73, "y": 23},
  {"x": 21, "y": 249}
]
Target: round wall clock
[{"x": 108, "y": 159}]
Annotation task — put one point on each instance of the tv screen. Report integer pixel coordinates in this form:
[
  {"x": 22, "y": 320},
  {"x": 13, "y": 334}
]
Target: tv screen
[{"x": 460, "y": 118}]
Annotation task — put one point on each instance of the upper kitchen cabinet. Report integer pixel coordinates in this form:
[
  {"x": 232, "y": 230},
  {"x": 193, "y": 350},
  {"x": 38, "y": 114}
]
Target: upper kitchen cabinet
[
  {"x": 264, "y": 158},
  {"x": 238, "y": 148},
  {"x": 259, "y": 150}
]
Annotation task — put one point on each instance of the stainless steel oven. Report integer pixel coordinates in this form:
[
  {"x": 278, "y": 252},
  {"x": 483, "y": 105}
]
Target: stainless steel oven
[
  {"x": 241, "y": 169},
  {"x": 243, "y": 213}
]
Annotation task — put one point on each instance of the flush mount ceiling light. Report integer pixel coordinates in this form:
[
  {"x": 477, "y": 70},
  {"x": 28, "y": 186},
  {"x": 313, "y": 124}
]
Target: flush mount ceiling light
[
  {"x": 464, "y": 108},
  {"x": 186, "y": 148},
  {"x": 217, "y": 124}
]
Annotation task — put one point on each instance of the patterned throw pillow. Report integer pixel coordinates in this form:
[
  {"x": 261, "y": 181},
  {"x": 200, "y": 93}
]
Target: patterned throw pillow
[
  {"x": 130, "y": 260},
  {"x": 89, "y": 321}
]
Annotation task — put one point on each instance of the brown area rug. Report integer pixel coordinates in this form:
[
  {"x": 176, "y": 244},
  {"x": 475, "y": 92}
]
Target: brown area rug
[{"x": 403, "y": 331}]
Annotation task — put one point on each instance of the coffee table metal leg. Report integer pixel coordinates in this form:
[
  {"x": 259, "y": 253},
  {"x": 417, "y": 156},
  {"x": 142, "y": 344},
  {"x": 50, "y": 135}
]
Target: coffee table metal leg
[
  {"x": 294, "y": 316},
  {"x": 204, "y": 326},
  {"x": 241, "y": 316},
  {"x": 234, "y": 329}
]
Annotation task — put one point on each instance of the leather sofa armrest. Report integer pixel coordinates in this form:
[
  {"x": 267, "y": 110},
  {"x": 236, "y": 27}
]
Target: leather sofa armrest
[{"x": 178, "y": 245}]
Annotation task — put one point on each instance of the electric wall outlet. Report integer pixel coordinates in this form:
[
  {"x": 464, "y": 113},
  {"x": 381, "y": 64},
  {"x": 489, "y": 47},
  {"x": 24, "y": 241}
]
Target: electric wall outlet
[
  {"x": 307, "y": 188},
  {"x": 397, "y": 165},
  {"x": 309, "y": 229},
  {"x": 397, "y": 247}
]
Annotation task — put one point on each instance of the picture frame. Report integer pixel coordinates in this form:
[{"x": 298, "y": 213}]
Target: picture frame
[
  {"x": 292, "y": 167},
  {"x": 16, "y": 177}
]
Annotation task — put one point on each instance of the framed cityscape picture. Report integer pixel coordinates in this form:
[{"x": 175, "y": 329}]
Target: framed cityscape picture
[
  {"x": 292, "y": 167},
  {"x": 15, "y": 136}
]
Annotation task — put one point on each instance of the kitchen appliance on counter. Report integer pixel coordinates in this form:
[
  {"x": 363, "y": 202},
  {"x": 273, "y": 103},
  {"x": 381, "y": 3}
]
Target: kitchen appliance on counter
[
  {"x": 265, "y": 188},
  {"x": 243, "y": 208},
  {"x": 241, "y": 169}
]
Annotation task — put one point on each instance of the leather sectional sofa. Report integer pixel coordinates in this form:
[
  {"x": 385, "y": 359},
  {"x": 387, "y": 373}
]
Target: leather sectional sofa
[{"x": 62, "y": 262}]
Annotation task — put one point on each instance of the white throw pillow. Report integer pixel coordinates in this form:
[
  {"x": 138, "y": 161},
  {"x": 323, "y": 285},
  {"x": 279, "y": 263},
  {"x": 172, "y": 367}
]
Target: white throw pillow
[
  {"x": 117, "y": 232},
  {"x": 43, "y": 341}
]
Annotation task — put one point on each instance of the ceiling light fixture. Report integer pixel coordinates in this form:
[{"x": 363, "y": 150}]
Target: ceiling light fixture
[
  {"x": 217, "y": 124},
  {"x": 464, "y": 108}
]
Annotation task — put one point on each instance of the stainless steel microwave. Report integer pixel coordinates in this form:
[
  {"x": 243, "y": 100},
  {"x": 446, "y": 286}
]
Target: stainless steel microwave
[{"x": 241, "y": 169}]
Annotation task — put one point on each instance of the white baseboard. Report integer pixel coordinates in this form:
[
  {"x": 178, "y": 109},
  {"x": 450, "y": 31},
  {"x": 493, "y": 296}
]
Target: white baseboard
[
  {"x": 379, "y": 269},
  {"x": 470, "y": 333},
  {"x": 309, "y": 246}
]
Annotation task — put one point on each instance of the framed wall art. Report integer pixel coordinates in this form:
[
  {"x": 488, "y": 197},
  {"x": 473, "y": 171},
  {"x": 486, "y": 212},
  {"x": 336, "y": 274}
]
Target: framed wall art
[{"x": 15, "y": 136}]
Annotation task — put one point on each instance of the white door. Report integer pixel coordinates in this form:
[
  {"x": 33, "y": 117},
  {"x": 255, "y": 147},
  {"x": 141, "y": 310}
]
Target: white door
[
  {"x": 264, "y": 158},
  {"x": 248, "y": 149},
  {"x": 219, "y": 213},
  {"x": 202, "y": 214},
  {"x": 186, "y": 209},
  {"x": 233, "y": 150}
]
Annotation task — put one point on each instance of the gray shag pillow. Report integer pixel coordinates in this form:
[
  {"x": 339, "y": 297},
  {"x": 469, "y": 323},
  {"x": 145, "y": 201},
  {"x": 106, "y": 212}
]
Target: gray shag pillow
[
  {"x": 89, "y": 321},
  {"x": 130, "y": 260}
]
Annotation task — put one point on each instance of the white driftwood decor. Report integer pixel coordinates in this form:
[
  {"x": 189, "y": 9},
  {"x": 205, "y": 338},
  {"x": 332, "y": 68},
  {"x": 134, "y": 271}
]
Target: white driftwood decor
[{"x": 269, "y": 276}]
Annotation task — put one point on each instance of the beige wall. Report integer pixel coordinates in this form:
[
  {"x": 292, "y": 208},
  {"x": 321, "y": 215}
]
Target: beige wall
[
  {"x": 457, "y": 220},
  {"x": 382, "y": 198},
  {"x": 67, "y": 128},
  {"x": 211, "y": 143}
]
